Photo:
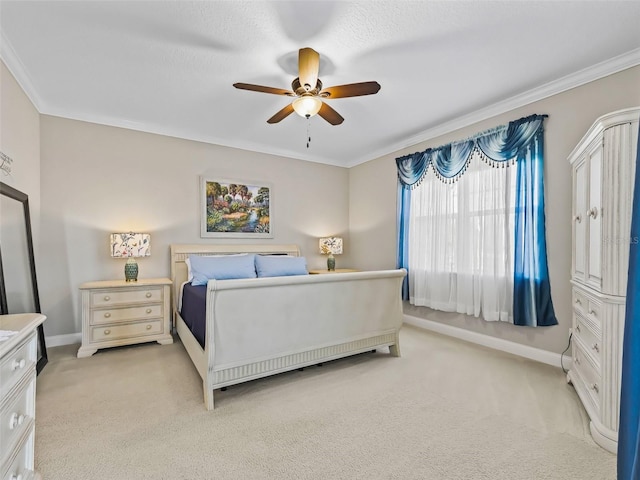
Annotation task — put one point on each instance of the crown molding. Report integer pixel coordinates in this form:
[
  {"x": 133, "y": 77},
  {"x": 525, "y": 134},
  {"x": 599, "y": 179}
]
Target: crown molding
[
  {"x": 15, "y": 66},
  {"x": 581, "y": 77}
]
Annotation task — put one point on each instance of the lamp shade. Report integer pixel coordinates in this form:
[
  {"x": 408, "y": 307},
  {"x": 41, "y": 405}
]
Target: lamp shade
[
  {"x": 130, "y": 245},
  {"x": 307, "y": 105},
  {"x": 331, "y": 245}
]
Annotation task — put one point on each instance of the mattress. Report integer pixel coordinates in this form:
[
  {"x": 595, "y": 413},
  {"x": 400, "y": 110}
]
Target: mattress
[{"x": 194, "y": 311}]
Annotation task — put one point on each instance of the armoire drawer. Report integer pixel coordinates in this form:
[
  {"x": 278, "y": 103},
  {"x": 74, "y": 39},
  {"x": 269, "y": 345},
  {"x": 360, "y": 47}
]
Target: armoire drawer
[
  {"x": 588, "y": 336},
  {"x": 580, "y": 301},
  {"x": 589, "y": 373}
]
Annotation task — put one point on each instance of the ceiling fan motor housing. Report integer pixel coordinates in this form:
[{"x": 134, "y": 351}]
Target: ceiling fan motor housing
[{"x": 300, "y": 89}]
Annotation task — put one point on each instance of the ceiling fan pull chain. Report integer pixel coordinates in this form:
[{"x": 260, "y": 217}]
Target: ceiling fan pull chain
[{"x": 308, "y": 130}]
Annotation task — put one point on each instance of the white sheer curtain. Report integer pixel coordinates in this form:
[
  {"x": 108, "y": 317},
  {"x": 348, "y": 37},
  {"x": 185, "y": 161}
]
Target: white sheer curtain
[{"x": 461, "y": 242}]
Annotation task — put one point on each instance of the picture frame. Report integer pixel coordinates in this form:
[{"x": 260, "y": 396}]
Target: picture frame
[{"x": 235, "y": 208}]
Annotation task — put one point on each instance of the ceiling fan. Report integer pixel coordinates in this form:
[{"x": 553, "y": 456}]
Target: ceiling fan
[{"x": 307, "y": 88}]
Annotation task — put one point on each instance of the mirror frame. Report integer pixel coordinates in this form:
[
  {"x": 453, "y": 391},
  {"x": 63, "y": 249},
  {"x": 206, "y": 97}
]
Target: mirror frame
[{"x": 23, "y": 198}]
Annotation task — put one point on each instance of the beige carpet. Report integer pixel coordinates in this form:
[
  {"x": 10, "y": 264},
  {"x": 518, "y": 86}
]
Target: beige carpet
[{"x": 445, "y": 410}]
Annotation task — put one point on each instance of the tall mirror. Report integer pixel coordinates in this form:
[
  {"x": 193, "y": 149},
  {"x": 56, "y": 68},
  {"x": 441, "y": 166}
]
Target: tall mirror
[{"x": 18, "y": 283}]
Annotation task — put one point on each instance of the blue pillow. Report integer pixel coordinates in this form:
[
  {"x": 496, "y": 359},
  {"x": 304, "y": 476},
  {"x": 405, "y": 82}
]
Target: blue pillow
[
  {"x": 280, "y": 265},
  {"x": 221, "y": 268}
]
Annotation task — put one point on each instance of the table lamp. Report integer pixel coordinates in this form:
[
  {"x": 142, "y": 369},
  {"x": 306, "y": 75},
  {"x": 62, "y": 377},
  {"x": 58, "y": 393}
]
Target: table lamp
[
  {"x": 331, "y": 246},
  {"x": 130, "y": 245}
]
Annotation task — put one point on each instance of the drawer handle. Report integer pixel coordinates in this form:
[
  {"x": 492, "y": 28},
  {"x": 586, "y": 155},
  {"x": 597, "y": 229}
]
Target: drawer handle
[
  {"x": 578, "y": 301},
  {"x": 592, "y": 312},
  {"x": 578, "y": 218},
  {"x": 578, "y": 360},
  {"x": 596, "y": 347},
  {"x": 16, "y": 476},
  {"x": 593, "y": 212},
  {"x": 107, "y": 332},
  {"x": 149, "y": 310},
  {"x": 18, "y": 364},
  {"x": 107, "y": 315},
  {"x": 578, "y": 328},
  {"x": 595, "y": 387},
  {"x": 148, "y": 327},
  {"x": 148, "y": 295},
  {"x": 16, "y": 420},
  {"x": 107, "y": 298}
]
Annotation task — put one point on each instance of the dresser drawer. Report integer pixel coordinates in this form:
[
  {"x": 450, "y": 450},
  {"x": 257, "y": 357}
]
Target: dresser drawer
[
  {"x": 589, "y": 373},
  {"x": 16, "y": 365},
  {"x": 115, "y": 315},
  {"x": 141, "y": 329},
  {"x": 125, "y": 296},
  {"x": 590, "y": 337},
  {"x": 17, "y": 414},
  {"x": 21, "y": 467}
]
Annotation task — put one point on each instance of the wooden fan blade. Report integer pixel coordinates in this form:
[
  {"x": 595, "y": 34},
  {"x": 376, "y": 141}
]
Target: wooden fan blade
[
  {"x": 308, "y": 66},
  {"x": 282, "y": 114},
  {"x": 263, "y": 89},
  {"x": 351, "y": 90},
  {"x": 330, "y": 115}
]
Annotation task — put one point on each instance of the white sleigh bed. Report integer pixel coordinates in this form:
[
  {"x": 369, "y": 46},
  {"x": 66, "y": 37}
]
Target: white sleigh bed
[{"x": 262, "y": 326}]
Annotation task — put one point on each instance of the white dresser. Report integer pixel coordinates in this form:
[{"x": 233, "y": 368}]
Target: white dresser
[
  {"x": 18, "y": 356},
  {"x": 603, "y": 169},
  {"x": 116, "y": 312}
]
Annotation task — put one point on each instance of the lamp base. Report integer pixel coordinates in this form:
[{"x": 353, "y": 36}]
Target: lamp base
[
  {"x": 331, "y": 263},
  {"x": 131, "y": 270}
]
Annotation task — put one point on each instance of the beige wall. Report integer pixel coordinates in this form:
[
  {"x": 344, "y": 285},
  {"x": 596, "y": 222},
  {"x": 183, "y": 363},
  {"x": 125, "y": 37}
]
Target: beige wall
[
  {"x": 372, "y": 192},
  {"x": 20, "y": 139},
  {"x": 98, "y": 179}
]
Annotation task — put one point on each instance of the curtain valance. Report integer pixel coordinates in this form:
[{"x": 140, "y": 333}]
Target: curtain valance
[{"x": 495, "y": 146}]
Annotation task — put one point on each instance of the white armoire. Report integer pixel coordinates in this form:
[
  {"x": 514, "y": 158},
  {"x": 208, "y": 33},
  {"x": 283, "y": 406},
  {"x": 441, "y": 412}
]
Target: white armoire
[{"x": 603, "y": 168}]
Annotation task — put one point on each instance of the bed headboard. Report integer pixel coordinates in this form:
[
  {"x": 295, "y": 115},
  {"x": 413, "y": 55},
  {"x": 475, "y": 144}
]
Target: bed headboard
[{"x": 179, "y": 253}]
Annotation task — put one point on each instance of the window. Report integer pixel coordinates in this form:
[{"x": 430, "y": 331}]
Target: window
[
  {"x": 460, "y": 242},
  {"x": 471, "y": 226}
]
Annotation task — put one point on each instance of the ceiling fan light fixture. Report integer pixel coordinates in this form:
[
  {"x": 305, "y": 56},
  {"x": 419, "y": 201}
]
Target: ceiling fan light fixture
[{"x": 307, "y": 105}]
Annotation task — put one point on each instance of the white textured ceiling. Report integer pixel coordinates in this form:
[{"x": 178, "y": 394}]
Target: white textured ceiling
[{"x": 168, "y": 67}]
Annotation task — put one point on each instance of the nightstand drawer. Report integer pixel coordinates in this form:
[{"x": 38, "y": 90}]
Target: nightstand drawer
[
  {"x": 116, "y": 315},
  {"x": 105, "y": 334},
  {"x": 17, "y": 415},
  {"x": 16, "y": 365},
  {"x": 105, "y": 298}
]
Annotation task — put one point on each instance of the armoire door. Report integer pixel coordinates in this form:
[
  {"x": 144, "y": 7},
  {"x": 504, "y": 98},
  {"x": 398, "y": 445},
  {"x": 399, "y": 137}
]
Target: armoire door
[
  {"x": 593, "y": 215},
  {"x": 580, "y": 200}
]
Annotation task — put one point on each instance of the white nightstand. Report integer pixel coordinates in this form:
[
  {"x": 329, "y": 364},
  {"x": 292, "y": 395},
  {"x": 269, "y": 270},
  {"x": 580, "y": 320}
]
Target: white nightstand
[{"x": 116, "y": 313}]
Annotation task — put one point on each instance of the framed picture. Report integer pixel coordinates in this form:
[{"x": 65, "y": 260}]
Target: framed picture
[{"x": 235, "y": 209}]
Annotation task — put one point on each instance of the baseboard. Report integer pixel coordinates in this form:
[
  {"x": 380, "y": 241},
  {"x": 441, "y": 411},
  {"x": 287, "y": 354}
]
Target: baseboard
[
  {"x": 59, "y": 340},
  {"x": 525, "y": 351}
]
